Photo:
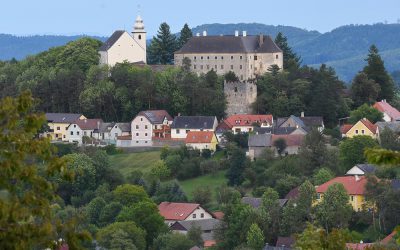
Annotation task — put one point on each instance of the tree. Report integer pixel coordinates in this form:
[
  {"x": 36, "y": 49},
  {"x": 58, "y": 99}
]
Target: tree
[
  {"x": 375, "y": 70},
  {"x": 280, "y": 145},
  {"x": 313, "y": 152},
  {"x": 322, "y": 175},
  {"x": 129, "y": 194},
  {"x": 107, "y": 235},
  {"x": 194, "y": 234},
  {"x": 27, "y": 166},
  {"x": 172, "y": 241},
  {"x": 162, "y": 47},
  {"x": 255, "y": 237},
  {"x": 389, "y": 139},
  {"x": 185, "y": 35},
  {"x": 120, "y": 240},
  {"x": 364, "y": 90},
  {"x": 290, "y": 59},
  {"x": 334, "y": 211},
  {"x": 365, "y": 111},
  {"x": 93, "y": 209},
  {"x": 237, "y": 163},
  {"x": 160, "y": 170},
  {"x": 202, "y": 195},
  {"x": 352, "y": 151}
]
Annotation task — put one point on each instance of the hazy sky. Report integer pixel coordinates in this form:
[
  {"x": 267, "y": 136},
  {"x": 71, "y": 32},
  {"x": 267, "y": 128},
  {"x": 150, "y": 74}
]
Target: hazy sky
[{"x": 102, "y": 17}]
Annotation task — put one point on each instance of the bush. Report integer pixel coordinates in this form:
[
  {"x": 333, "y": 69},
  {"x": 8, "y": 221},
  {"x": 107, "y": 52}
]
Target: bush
[{"x": 112, "y": 149}]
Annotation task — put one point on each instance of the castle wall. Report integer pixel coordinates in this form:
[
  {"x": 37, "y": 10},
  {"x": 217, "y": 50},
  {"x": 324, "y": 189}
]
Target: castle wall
[{"x": 240, "y": 96}]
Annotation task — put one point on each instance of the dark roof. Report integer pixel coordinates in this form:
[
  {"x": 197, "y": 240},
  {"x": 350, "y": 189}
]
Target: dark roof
[
  {"x": 267, "y": 247},
  {"x": 285, "y": 241},
  {"x": 206, "y": 224},
  {"x": 106, "y": 127},
  {"x": 260, "y": 140},
  {"x": 312, "y": 121},
  {"x": 396, "y": 184},
  {"x": 89, "y": 124},
  {"x": 156, "y": 116},
  {"x": 111, "y": 40},
  {"x": 124, "y": 126},
  {"x": 229, "y": 44},
  {"x": 274, "y": 130},
  {"x": 367, "y": 168},
  {"x": 293, "y": 194},
  {"x": 62, "y": 117},
  {"x": 257, "y": 202},
  {"x": 193, "y": 122}
]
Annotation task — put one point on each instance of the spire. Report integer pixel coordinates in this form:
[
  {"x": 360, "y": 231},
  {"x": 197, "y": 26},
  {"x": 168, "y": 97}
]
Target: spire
[{"x": 139, "y": 26}]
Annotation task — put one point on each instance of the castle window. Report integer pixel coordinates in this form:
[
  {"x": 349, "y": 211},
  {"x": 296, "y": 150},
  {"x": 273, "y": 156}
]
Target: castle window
[
  {"x": 255, "y": 58},
  {"x": 241, "y": 66},
  {"x": 232, "y": 57},
  {"x": 236, "y": 89},
  {"x": 231, "y": 66},
  {"x": 140, "y": 37},
  {"x": 277, "y": 56},
  {"x": 251, "y": 66}
]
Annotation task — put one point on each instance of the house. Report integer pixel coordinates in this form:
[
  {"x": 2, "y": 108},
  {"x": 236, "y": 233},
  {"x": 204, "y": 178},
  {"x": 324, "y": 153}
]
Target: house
[
  {"x": 110, "y": 131},
  {"x": 258, "y": 143},
  {"x": 293, "y": 194},
  {"x": 285, "y": 242},
  {"x": 174, "y": 211},
  {"x": 207, "y": 226},
  {"x": 74, "y": 133},
  {"x": 122, "y": 46},
  {"x": 201, "y": 140},
  {"x": 149, "y": 125},
  {"x": 183, "y": 124},
  {"x": 280, "y": 130},
  {"x": 82, "y": 127},
  {"x": 362, "y": 127},
  {"x": 243, "y": 123},
  {"x": 293, "y": 143},
  {"x": 362, "y": 169},
  {"x": 390, "y": 114},
  {"x": 354, "y": 186},
  {"x": 257, "y": 202},
  {"x": 304, "y": 122},
  {"x": 58, "y": 124},
  {"x": 393, "y": 126}
]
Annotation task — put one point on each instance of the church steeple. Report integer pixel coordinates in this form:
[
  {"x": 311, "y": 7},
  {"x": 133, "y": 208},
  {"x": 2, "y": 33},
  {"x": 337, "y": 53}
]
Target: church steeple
[{"x": 139, "y": 34}]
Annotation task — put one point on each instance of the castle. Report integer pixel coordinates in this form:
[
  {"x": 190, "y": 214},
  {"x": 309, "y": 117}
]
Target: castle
[
  {"x": 122, "y": 46},
  {"x": 246, "y": 56}
]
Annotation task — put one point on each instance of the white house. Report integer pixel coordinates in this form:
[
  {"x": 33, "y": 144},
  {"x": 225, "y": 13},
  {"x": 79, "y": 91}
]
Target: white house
[
  {"x": 361, "y": 169},
  {"x": 183, "y": 124},
  {"x": 74, "y": 133},
  {"x": 243, "y": 123},
  {"x": 109, "y": 131},
  {"x": 173, "y": 211},
  {"x": 122, "y": 46}
]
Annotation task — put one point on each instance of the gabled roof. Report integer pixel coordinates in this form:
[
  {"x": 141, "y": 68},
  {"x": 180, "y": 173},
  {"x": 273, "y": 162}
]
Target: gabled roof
[
  {"x": 176, "y": 211},
  {"x": 248, "y": 120},
  {"x": 124, "y": 126},
  {"x": 302, "y": 121},
  {"x": 367, "y": 168},
  {"x": 89, "y": 124},
  {"x": 260, "y": 140},
  {"x": 218, "y": 215},
  {"x": 291, "y": 140},
  {"x": 293, "y": 194},
  {"x": 369, "y": 125},
  {"x": 222, "y": 127},
  {"x": 354, "y": 185},
  {"x": 275, "y": 130},
  {"x": 199, "y": 137},
  {"x": 206, "y": 224},
  {"x": 62, "y": 117},
  {"x": 345, "y": 128},
  {"x": 229, "y": 44},
  {"x": 193, "y": 122},
  {"x": 111, "y": 40},
  {"x": 358, "y": 246},
  {"x": 285, "y": 241},
  {"x": 106, "y": 127},
  {"x": 156, "y": 116},
  {"x": 393, "y": 126},
  {"x": 257, "y": 202},
  {"x": 386, "y": 108}
]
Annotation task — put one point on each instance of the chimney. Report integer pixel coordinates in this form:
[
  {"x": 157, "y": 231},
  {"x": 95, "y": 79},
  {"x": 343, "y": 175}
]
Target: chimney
[
  {"x": 244, "y": 33},
  {"x": 302, "y": 114},
  {"x": 261, "y": 41},
  {"x": 197, "y": 34},
  {"x": 236, "y": 33},
  {"x": 204, "y": 33}
]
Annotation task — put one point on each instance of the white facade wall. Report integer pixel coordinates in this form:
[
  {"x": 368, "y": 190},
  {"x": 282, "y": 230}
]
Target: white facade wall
[
  {"x": 124, "y": 49},
  {"x": 142, "y": 131},
  {"x": 198, "y": 213},
  {"x": 199, "y": 146},
  {"x": 74, "y": 134}
]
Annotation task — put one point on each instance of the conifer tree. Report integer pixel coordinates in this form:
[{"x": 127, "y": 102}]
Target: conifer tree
[
  {"x": 376, "y": 71},
  {"x": 364, "y": 90},
  {"x": 290, "y": 59},
  {"x": 255, "y": 237},
  {"x": 163, "y": 46},
  {"x": 186, "y": 34}
]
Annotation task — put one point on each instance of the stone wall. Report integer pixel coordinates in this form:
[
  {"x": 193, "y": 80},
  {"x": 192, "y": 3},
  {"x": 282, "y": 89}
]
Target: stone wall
[{"x": 240, "y": 96}]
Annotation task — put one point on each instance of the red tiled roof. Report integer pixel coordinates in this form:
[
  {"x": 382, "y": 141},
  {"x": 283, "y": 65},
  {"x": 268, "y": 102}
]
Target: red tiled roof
[
  {"x": 199, "y": 137},
  {"x": 353, "y": 184},
  {"x": 369, "y": 125},
  {"x": 388, "y": 238},
  {"x": 218, "y": 215},
  {"x": 248, "y": 120},
  {"x": 358, "y": 246},
  {"x": 88, "y": 124},
  {"x": 385, "y": 107},
  {"x": 291, "y": 139},
  {"x": 285, "y": 242},
  {"x": 209, "y": 243},
  {"x": 176, "y": 211},
  {"x": 345, "y": 128}
]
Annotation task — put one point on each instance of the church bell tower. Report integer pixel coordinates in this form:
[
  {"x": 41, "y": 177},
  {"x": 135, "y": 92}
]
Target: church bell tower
[{"x": 139, "y": 35}]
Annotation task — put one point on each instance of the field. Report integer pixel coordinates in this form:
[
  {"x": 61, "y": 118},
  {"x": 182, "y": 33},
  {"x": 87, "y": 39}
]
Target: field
[{"x": 127, "y": 162}]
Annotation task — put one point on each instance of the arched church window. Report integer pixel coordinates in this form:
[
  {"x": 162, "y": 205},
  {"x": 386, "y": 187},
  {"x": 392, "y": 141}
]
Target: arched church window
[{"x": 140, "y": 37}]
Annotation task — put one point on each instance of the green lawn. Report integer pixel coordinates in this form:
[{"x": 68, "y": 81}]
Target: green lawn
[
  {"x": 127, "y": 162},
  {"x": 210, "y": 180}
]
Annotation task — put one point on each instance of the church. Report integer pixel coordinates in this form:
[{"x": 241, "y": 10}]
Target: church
[{"x": 123, "y": 46}]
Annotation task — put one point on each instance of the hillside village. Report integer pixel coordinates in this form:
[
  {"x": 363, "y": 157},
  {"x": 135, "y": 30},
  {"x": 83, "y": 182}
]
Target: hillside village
[{"x": 286, "y": 176}]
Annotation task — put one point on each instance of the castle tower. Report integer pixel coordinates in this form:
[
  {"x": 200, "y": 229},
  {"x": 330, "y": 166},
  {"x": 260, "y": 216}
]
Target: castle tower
[{"x": 139, "y": 35}]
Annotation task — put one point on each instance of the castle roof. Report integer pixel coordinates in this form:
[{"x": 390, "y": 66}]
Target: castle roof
[{"x": 229, "y": 44}]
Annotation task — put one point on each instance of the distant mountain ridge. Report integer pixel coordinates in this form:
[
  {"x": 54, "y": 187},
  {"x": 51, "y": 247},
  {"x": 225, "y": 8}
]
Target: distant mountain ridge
[{"x": 343, "y": 48}]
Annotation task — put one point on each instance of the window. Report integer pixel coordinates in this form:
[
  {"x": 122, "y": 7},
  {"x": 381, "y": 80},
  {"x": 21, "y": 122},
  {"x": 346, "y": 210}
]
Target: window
[
  {"x": 72, "y": 132},
  {"x": 201, "y": 66},
  {"x": 222, "y": 57},
  {"x": 187, "y": 131},
  {"x": 64, "y": 136},
  {"x": 277, "y": 56},
  {"x": 140, "y": 37},
  {"x": 231, "y": 66},
  {"x": 58, "y": 128},
  {"x": 141, "y": 119},
  {"x": 145, "y": 134},
  {"x": 145, "y": 141},
  {"x": 352, "y": 198},
  {"x": 77, "y": 132},
  {"x": 137, "y": 126},
  {"x": 208, "y": 66},
  {"x": 201, "y": 58},
  {"x": 194, "y": 58},
  {"x": 236, "y": 89},
  {"x": 241, "y": 77},
  {"x": 177, "y": 131},
  {"x": 137, "y": 141},
  {"x": 208, "y": 57},
  {"x": 357, "y": 131},
  {"x": 222, "y": 66},
  {"x": 318, "y": 196},
  {"x": 137, "y": 134},
  {"x": 202, "y": 215},
  {"x": 74, "y": 126},
  {"x": 84, "y": 133},
  {"x": 241, "y": 66},
  {"x": 145, "y": 126},
  {"x": 241, "y": 57},
  {"x": 251, "y": 66},
  {"x": 194, "y": 216},
  {"x": 215, "y": 58},
  {"x": 255, "y": 58},
  {"x": 232, "y": 57},
  {"x": 215, "y": 67},
  {"x": 362, "y": 131},
  {"x": 56, "y": 135}
]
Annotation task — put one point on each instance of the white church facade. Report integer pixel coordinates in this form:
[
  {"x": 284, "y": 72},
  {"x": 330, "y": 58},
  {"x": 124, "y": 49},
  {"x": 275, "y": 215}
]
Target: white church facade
[{"x": 122, "y": 46}]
